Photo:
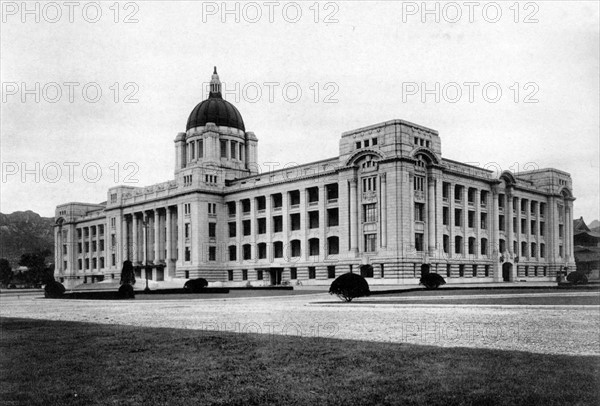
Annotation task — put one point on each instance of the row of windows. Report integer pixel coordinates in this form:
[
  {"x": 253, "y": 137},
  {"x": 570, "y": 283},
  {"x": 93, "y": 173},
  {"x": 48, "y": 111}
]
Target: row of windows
[
  {"x": 366, "y": 143},
  {"x": 95, "y": 262},
  {"x": 312, "y": 195},
  {"x": 86, "y": 231},
  {"x": 312, "y": 273},
  {"x": 294, "y": 249},
  {"x": 418, "y": 141},
  {"x": 85, "y": 247},
  {"x": 295, "y": 223}
]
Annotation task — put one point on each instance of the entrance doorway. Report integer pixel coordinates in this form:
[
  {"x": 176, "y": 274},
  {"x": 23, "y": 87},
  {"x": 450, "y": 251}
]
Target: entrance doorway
[
  {"x": 506, "y": 271},
  {"x": 275, "y": 274}
]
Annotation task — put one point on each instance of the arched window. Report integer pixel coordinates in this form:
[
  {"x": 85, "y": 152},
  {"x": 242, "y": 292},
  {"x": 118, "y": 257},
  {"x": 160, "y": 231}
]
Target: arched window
[{"x": 333, "y": 245}]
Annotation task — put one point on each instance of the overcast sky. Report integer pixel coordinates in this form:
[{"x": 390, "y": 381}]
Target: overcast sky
[{"x": 355, "y": 64}]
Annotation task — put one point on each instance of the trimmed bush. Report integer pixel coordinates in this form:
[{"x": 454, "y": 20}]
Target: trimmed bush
[
  {"x": 54, "y": 290},
  {"x": 349, "y": 286},
  {"x": 577, "y": 278},
  {"x": 195, "y": 285},
  {"x": 126, "y": 291},
  {"x": 127, "y": 274},
  {"x": 432, "y": 280}
]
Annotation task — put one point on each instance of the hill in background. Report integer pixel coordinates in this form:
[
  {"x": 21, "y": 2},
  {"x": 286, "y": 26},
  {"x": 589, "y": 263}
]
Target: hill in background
[{"x": 25, "y": 232}]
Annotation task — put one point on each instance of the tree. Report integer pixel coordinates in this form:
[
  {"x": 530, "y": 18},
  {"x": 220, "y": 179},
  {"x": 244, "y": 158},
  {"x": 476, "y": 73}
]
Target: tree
[
  {"x": 6, "y": 273},
  {"x": 348, "y": 286},
  {"x": 37, "y": 271}
]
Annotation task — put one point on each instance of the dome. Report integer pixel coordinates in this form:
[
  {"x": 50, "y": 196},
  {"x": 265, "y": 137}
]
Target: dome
[{"x": 215, "y": 109}]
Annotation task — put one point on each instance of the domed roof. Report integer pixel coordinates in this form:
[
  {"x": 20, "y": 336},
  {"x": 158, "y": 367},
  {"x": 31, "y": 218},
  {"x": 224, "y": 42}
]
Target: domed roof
[{"x": 215, "y": 109}]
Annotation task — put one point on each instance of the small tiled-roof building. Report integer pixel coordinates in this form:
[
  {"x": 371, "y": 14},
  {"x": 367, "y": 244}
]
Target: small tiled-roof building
[{"x": 587, "y": 249}]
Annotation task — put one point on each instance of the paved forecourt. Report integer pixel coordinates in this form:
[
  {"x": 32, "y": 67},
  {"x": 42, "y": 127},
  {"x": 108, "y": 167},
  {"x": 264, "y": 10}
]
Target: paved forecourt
[{"x": 541, "y": 329}]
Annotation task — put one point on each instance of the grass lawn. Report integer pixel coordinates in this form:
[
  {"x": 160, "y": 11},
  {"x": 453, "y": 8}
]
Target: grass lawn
[{"x": 68, "y": 363}]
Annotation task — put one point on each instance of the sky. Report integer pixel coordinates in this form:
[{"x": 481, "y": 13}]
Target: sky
[{"x": 94, "y": 93}]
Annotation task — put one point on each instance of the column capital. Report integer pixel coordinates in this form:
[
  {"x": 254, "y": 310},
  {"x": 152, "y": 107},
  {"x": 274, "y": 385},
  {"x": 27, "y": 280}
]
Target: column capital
[
  {"x": 353, "y": 182},
  {"x": 383, "y": 176}
]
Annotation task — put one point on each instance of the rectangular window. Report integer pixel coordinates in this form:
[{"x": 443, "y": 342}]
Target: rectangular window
[
  {"x": 295, "y": 221},
  {"x": 200, "y": 149},
  {"x": 293, "y": 273},
  {"x": 230, "y": 274},
  {"x": 246, "y": 228},
  {"x": 419, "y": 242},
  {"x": 312, "y": 272},
  {"x": 446, "y": 243},
  {"x": 212, "y": 230},
  {"x": 277, "y": 200},
  {"x": 313, "y": 195},
  {"x": 370, "y": 212},
  {"x": 331, "y": 271},
  {"x": 294, "y": 197},
  {"x": 445, "y": 216},
  {"x": 232, "y": 253},
  {"x": 471, "y": 218},
  {"x": 333, "y": 217},
  {"x": 419, "y": 212},
  {"x": 233, "y": 148},
  {"x": 188, "y": 254},
  {"x": 369, "y": 184},
  {"x": 332, "y": 192},
  {"x": 223, "y": 149},
  {"x": 313, "y": 219},
  {"x": 483, "y": 221},
  {"x": 232, "y": 226},
  {"x": 419, "y": 183},
  {"x": 457, "y": 217},
  {"x": 212, "y": 253},
  {"x": 186, "y": 230},
  {"x": 277, "y": 224},
  {"x": 370, "y": 242},
  {"x": 259, "y": 275},
  {"x": 261, "y": 225},
  {"x": 244, "y": 274}
]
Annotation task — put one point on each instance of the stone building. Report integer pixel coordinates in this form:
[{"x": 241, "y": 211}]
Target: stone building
[{"x": 387, "y": 206}]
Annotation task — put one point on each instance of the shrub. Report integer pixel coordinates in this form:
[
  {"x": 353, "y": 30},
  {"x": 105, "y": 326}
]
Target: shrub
[
  {"x": 126, "y": 291},
  {"x": 54, "y": 289},
  {"x": 195, "y": 285},
  {"x": 348, "y": 286},
  {"x": 127, "y": 274},
  {"x": 577, "y": 278},
  {"x": 432, "y": 280}
]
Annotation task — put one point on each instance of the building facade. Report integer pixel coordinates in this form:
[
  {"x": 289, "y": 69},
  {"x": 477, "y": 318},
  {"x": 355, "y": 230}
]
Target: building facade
[{"x": 388, "y": 206}]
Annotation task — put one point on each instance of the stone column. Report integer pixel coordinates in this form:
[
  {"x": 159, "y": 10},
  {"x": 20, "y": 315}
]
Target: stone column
[
  {"x": 383, "y": 222},
  {"x": 98, "y": 243},
  {"x": 145, "y": 238},
  {"x": 136, "y": 243},
  {"x": 495, "y": 244},
  {"x": 477, "y": 222},
  {"x": 528, "y": 235},
  {"x": 451, "y": 233},
  {"x": 518, "y": 230},
  {"x": 353, "y": 216},
  {"x": 168, "y": 242},
  {"x": 156, "y": 236},
  {"x": 509, "y": 223},
  {"x": 431, "y": 214},
  {"x": 465, "y": 222}
]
